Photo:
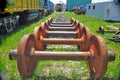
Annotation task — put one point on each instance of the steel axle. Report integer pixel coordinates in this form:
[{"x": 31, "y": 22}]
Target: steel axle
[
  {"x": 61, "y": 29},
  {"x": 62, "y": 33},
  {"x": 45, "y": 55},
  {"x": 61, "y": 41}
]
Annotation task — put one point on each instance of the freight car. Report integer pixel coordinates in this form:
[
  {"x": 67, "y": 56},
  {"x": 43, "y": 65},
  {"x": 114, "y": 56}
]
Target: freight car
[
  {"x": 47, "y": 6},
  {"x": 59, "y": 7},
  {"x": 15, "y": 12}
]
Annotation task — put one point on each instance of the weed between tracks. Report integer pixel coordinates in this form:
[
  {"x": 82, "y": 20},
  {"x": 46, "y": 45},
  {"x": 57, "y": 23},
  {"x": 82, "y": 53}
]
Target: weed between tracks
[{"x": 57, "y": 70}]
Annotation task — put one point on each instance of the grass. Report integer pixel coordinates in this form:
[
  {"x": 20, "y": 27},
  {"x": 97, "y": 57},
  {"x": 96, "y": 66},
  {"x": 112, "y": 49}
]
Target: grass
[
  {"x": 57, "y": 70},
  {"x": 93, "y": 24}
]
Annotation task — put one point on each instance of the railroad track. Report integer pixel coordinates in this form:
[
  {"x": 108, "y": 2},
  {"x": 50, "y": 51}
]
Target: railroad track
[
  {"x": 61, "y": 18},
  {"x": 32, "y": 47}
]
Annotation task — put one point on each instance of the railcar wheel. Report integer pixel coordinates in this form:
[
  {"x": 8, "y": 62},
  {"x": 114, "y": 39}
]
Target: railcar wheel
[
  {"x": 25, "y": 62},
  {"x": 38, "y": 36},
  {"x": 85, "y": 35},
  {"x": 98, "y": 65}
]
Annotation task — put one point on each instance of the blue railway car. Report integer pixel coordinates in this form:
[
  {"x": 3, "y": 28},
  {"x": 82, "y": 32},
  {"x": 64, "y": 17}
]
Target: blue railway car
[
  {"x": 47, "y": 6},
  {"x": 44, "y": 4},
  {"x": 71, "y": 3},
  {"x": 50, "y": 7}
]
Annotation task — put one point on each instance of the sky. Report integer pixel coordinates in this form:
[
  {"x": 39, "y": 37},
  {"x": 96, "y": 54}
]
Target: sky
[{"x": 93, "y": 1}]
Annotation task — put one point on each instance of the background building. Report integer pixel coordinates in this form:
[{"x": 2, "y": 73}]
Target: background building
[
  {"x": 72, "y": 3},
  {"x": 104, "y": 10}
]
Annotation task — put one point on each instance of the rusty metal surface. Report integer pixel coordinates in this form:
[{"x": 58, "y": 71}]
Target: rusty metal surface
[
  {"x": 43, "y": 30},
  {"x": 48, "y": 27},
  {"x": 26, "y": 63},
  {"x": 101, "y": 30},
  {"x": 60, "y": 41},
  {"x": 62, "y": 25},
  {"x": 97, "y": 56},
  {"x": 79, "y": 30},
  {"x": 115, "y": 37},
  {"x": 45, "y": 26},
  {"x": 47, "y": 23},
  {"x": 31, "y": 47},
  {"x": 76, "y": 25},
  {"x": 108, "y": 31},
  {"x": 13, "y": 55},
  {"x": 98, "y": 65},
  {"x": 58, "y": 28},
  {"x": 70, "y": 34},
  {"x": 44, "y": 55},
  {"x": 89, "y": 55},
  {"x": 85, "y": 35},
  {"x": 61, "y": 28},
  {"x": 37, "y": 32},
  {"x": 80, "y": 26},
  {"x": 63, "y": 32},
  {"x": 111, "y": 56}
]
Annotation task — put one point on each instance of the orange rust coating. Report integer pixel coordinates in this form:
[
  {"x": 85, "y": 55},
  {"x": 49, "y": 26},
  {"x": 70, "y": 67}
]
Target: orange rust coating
[
  {"x": 61, "y": 28},
  {"x": 111, "y": 56},
  {"x": 61, "y": 23},
  {"x": 56, "y": 25},
  {"x": 44, "y": 55},
  {"x": 62, "y": 33},
  {"x": 61, "y": 41}
]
